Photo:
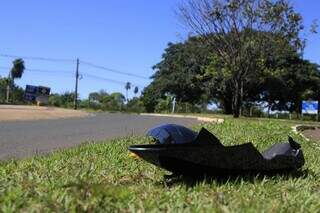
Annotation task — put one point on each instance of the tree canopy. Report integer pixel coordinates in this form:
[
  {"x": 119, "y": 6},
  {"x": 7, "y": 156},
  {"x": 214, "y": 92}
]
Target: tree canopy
[
  {"x": 17, "y": 68},
  {"x": 230, "y": 28},
  {"x": 192, "y": 73}
]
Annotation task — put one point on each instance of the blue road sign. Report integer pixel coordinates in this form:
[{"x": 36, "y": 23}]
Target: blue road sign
[
  {"x": 29, "y": 97},
  {"x": 31, "y": 89},
  {"x": 32, "y": 92},
  {"x": 310, "y": 107},
  {"x": 43, "y": 90}
]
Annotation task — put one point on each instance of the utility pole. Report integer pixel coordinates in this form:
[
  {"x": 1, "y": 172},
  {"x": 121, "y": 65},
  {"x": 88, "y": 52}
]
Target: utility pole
[
  {"x": 173, "y": 104},
  {"x": 76, "y": 86},
  {"x": 8, "y": 88}
]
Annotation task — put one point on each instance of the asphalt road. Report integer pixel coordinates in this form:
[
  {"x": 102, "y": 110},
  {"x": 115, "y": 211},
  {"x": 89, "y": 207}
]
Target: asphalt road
[{"x": 26, "y": 138}]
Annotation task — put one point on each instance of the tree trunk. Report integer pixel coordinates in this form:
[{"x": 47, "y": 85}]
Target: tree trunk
[
  {"x": 298, "y": 108},
  {"x": 12, "y": 91},
  {"x": 241, "y": 97},
  {"x": 127, "y": 95},
  {"x": 8, "y": 93},
  {"x": 226, "y": 105},
  {"x": 8, "y": 88},
  {"x": 236, "y": 105},
  {"x": 298, "y": 112}
]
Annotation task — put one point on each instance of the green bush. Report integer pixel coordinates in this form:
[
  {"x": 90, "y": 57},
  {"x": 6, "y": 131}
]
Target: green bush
[{"x": 135, "y": 105}]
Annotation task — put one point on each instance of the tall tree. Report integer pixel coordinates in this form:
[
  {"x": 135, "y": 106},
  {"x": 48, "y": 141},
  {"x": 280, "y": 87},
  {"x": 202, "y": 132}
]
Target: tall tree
[
  {"x": 17, "y": 92},
  {"x": 179, "y": 70},
  {"x": 15, "y": 72},
  {"x": 117, "y": 100},
  {"x": 127, "y": 87},
  {"x": 229, "y": 27},
  {"x": 150, "y": 96},
  {"x": 94, "y": 97},
  {"x": 288, "y": 81},
  {"x": 220, "y": 82},
  {"x": 136, "y": 90}
]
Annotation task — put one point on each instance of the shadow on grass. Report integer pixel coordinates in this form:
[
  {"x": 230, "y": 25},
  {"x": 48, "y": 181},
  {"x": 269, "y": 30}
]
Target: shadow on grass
[{"x": 191, "y": 181}]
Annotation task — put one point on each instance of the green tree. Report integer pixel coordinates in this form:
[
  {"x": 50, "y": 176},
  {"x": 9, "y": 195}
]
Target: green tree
[
  {"x": 117, "y": 100},
  {"x": 98, "y": 97},
  {"x": 136, "y": 90},
  {"x": 3, "y": 89},
  {"x": 17, "y": 93},
  {"x": 212, "y": 83},
  {"x": 162, "y": 106},
  {"x": 288, "y": 81},
  {"x": 17, "y": 69},
  {"x": 135, "y": 105},
  {"x": 229, "y": 28},
  {"x": 15, "y": 72},
  {"x": 62, "y": 100},
  {"x": 103, "y": 100},
  {"x": 151, "y": 96},
  {"x": 55, "y": 100},
  {"x": 127, "y": 87},
  {"x": 178, "y": 71},
  {"x": 94, "y": 97}
]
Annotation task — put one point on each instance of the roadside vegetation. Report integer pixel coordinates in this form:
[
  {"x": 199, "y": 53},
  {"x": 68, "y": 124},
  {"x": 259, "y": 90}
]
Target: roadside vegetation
[
  {"x": 101, "y": 177},
  {"x": 9, "y": 91}
]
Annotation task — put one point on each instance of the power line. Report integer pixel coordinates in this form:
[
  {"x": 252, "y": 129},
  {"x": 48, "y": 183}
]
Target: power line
[
  {"x": 74, "y": 61},
  {"x": 41, "y": 70},
  {"x": 38, "y": 58},
  {"x": 107, "y": 79},
  {"x": 48, "y": 72},
  {"x": 113, "y": 70},
  {"x": 70, "y": 74}
]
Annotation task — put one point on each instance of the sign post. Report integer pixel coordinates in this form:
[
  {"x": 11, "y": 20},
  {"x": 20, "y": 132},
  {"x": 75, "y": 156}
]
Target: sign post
[{"x": 173, "y": 104}]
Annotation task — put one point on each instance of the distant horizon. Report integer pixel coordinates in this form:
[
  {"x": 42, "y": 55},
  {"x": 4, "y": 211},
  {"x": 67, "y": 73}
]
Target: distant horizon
[{"x": 119, "y": 35}]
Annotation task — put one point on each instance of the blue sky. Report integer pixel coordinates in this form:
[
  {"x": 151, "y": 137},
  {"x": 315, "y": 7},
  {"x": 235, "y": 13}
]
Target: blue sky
[{"x": 125, "y": 35}]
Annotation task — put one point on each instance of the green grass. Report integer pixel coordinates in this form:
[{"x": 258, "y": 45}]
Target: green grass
[{"x": 101, "y": 177}]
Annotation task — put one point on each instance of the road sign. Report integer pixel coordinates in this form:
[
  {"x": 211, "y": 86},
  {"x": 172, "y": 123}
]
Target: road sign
[
  {"x": 32, "y": 93},
  {"x": 31, "y": 89},
  {"x": 43, "y": 90},
  {"x": 310, "y": 107},
  {"x": 29, "y": 97}
]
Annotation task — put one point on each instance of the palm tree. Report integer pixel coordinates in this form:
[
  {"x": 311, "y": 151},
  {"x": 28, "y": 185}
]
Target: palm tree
[
  {"x": 127, "y": 87},
  {"x": 15, "y": 72},
  {"x": 136, "y": 90}
]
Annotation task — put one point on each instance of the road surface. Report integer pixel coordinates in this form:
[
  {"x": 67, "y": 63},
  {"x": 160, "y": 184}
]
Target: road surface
[
  {"x": 27, "y": 112},
  {"x": 21, "y": 139}
]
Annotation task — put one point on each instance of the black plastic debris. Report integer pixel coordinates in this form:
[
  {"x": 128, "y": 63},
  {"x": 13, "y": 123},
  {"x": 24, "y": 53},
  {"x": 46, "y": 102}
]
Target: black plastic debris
[
  {"x": 182, "y": 151},
  {"x": 172, "y": 134}
]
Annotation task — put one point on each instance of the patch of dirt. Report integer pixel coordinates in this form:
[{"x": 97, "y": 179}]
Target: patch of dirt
[
  {"x": 312, "y": 132},
  {"x": 18, "y": 113}
]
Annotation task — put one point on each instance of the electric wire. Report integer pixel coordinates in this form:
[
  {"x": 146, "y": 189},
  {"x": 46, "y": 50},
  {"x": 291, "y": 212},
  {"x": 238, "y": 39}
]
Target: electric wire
[
  {"x": 38, "y": 58},
  {"x": 113, "y": 70},
  {"x": 41, "y": 70},
  {"x": 107, "y": 79},
  {"x": 70, "y": 72},
  {"x": 74, "y": 61}
]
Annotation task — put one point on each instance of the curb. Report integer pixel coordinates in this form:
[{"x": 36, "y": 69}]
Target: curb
[
  {"x": 297, "y": 130},
  {"x": 199, "y": 118}
]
